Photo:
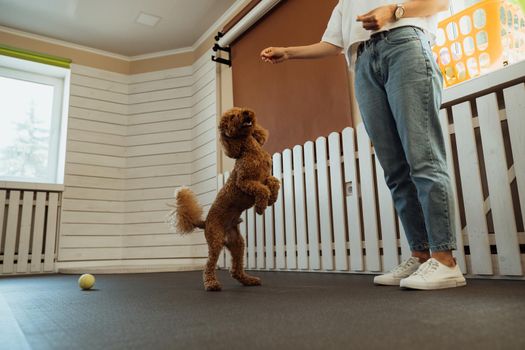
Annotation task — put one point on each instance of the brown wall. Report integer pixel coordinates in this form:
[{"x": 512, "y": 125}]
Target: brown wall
[{"x": 296, "y": 100}]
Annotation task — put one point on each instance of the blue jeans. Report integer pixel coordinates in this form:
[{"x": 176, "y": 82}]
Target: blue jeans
[{"x": 398, "y": 88}]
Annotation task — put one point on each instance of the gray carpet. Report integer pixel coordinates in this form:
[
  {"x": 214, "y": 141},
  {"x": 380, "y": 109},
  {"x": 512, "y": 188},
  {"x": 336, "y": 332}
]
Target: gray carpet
[{"x": 290, "y": 311}]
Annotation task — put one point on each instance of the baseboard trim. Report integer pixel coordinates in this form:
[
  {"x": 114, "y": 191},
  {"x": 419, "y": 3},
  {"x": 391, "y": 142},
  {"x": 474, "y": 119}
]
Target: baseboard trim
[
  {"x": 116, "y": 269},
  {"x": 130, "y": 266}
]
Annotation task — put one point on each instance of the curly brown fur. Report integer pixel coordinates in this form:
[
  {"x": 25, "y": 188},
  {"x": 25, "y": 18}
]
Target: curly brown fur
[
  {"x": 186, "y": 214},
  {"x": 249, "y": 184}
]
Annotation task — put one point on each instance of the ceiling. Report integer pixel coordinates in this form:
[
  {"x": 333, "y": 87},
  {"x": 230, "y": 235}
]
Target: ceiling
[{"x": 110, "y": 25}]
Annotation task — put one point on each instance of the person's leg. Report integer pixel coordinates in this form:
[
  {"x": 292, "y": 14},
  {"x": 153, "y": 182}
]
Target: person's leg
[
  {"x": 414, "y": 86},
  {"x": 382, "y": 130}
]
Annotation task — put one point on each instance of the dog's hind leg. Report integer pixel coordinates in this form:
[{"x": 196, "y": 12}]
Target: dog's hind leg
[
  {"x": 235, "y": 244},
  {"x": 215, "y": 239}
]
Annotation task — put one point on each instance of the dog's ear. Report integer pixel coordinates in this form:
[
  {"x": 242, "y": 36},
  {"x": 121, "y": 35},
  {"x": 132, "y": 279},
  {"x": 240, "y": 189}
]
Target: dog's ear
[
  {"x": 260, "y": 134},
  {"x": 232, "y": 147},
  {"x": 224, "y": 126}
]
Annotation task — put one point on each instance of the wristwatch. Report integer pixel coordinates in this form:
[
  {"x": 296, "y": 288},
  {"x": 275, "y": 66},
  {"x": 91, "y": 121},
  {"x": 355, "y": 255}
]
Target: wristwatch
[{"x": 399, "y": 12}]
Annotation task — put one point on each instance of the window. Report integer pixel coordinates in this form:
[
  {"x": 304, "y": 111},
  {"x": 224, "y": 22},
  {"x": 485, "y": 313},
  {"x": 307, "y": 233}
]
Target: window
[
  {"x": 33, "y": 106},
  {"x": 479, "y": 36}
]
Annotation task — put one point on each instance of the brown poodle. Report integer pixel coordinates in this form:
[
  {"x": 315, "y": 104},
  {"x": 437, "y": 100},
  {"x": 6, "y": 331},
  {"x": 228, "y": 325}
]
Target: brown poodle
[{"x": 250, "y": 183}]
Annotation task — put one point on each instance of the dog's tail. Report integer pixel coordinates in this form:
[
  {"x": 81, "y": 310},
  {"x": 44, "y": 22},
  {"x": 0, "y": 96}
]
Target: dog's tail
[{"x": 186, "y": 213}]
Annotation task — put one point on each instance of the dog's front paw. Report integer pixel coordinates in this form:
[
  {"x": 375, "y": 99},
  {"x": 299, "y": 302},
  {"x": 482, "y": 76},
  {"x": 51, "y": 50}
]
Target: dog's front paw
[
  {"x": 261, "y": 203},
  {"x": 260, "y": 209},
  {"x": 272, "y": 199}
]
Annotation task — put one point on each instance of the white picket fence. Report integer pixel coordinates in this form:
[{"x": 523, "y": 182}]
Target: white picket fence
[
  {"x": 28, "y": 231},
  {"x": 335, "y": 213}
]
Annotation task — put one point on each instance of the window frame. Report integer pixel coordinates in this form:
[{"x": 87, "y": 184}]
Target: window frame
[{"x": 59, "y": 78}]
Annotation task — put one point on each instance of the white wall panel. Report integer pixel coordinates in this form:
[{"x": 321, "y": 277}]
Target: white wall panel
[
  {"x": 131, "y": 141},
  {"x": 96, "y": 158}
]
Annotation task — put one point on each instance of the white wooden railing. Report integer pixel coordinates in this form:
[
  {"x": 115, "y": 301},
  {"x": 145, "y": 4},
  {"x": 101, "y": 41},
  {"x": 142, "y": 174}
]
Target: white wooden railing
[
  {"x": 334, "y": 211},
  {"x": 28, "y": 229}
]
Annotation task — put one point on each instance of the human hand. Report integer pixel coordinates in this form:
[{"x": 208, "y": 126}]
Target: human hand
[
  {"x": 377, "y": 18},
  {"x": 274, "y": 55}
]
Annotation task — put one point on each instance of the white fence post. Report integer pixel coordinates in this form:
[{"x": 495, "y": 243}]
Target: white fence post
[
  {"x": 509, "y": 259},
  {"x": 338, "y": 210},
  {"x": 515, "y": 109},
  {"x": 289, "y": 210},
  {"x": 472, "y": 191},
  {"x": 325, "y": 212},
  {"x": 279, "y": 215},
  {"x": 312, "y": 205},
  {"x": 300, "y": 208},
  {"x": 353, "y": 210}
]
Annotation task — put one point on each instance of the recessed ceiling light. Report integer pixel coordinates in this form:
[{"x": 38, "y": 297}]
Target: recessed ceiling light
[{"x": 147, "y": 20}]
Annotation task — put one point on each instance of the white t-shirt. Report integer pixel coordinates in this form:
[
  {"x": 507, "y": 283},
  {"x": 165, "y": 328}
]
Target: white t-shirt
[{"x": 343, "y": 30}]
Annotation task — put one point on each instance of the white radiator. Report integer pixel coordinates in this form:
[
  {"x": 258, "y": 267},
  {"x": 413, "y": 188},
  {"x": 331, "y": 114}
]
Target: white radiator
[
  {"x": 28, "y": 231},
  {"x": 334, "y": 211}
]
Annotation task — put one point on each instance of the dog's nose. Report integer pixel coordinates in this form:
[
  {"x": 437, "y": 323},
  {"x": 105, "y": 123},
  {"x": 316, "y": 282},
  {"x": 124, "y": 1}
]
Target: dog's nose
[{"x": 246, "y": 115}]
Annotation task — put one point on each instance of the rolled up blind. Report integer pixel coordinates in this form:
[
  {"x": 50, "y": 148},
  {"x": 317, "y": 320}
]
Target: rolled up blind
[
  {"x": 35, "y": 56},
  {"x": 247, "y": 21}
]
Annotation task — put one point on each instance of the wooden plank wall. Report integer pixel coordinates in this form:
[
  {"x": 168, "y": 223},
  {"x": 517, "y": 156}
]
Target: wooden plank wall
[
  {"x": 93, "y": 200},
  {"x": 131, "y": 141}
]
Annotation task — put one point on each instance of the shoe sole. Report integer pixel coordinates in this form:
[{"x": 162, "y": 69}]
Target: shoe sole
[
  {"x": 434, "y": 286},
  {"x": 387, "y": 283}
]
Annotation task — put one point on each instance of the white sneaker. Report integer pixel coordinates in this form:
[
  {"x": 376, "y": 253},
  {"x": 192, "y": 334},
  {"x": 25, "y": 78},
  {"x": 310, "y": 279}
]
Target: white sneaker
[
  {"x": 434, "y": 275},
  {"x": 405, "y": 269}
]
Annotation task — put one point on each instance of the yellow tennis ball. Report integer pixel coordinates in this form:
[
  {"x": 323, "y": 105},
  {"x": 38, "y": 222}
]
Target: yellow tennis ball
[{"x": 86, "y": 281}]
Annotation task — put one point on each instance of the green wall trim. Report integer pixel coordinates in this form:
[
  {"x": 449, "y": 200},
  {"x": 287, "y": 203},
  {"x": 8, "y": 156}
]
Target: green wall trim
[{"x": 35, "y": 56}]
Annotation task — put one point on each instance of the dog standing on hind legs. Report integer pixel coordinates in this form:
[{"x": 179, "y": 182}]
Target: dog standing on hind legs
[{"x": 249, "y": 184}]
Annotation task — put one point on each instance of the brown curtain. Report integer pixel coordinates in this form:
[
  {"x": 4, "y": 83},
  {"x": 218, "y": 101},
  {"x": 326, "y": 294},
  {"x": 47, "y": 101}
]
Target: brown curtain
[{"x": 296, "y": 100}]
